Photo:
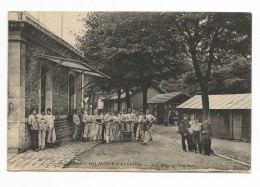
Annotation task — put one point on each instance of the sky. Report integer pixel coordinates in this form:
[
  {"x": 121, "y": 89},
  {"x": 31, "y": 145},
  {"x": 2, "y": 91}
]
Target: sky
[{"x": 53, "y": 22}]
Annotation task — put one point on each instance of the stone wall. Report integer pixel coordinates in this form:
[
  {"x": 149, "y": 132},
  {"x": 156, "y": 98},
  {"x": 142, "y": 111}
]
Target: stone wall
[{"x": 27, "y": 87}]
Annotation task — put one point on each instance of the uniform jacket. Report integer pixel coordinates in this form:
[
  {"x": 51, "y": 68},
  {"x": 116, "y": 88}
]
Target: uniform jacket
[
  {"x": 184, "y": 126},
  {"x": 87, "y": 118},
  {"x": 76, "y": 119},
  {"x": 33, "y": 122},
  {"x": 206, "y": 131},
  {"x": 50, "y": 120}
]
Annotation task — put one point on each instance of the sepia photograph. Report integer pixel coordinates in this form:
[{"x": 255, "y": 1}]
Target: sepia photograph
[{"x": 129, "y": 91}]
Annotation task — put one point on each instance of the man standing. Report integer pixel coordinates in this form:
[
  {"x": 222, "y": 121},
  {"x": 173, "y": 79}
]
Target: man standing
[
  {"x": 87, "y": 120},
  {"x": 108, "y": 119},
  {"x": 151, "y": 119},
  {"x": 206, "y": 135},
  {"x": 129, "y": 120},
  {"x": 82, "y": 124},
  {"x": 184, "y": 132}
]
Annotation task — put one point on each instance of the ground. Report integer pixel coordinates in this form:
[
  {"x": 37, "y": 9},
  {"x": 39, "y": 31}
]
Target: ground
[{"x": 163, "y": 154}]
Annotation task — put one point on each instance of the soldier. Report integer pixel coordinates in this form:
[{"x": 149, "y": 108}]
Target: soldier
[
  {"x": 87, "y": 120},
  {"x": 122, "y": 127},
  {"x": 184, "y": 132},
  {"x": 51, "y": 132},
  {"x": 196, "y": 135},
  {"x": 82, "y": 125},
  {"x": 108, "y": 119},
  {"x": 146, "y": 126},
  {"x": 206, "y": 135},
  {"x": 128, "y": 120},
  {"x": 151, "y": 119},
  {"x": 115, "y": 127},
  {"x": 139, "y": 134},
  {"x": 34, "y": 129},
  {"x": 76, "y": 122}
]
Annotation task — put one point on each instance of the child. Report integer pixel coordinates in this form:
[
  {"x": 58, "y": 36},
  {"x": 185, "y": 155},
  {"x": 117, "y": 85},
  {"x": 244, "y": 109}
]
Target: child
[
  {"x": 152, "y": 119},
  {"x": 51, "y": 132},
  {"x": 206, "y": 135},
  {"x": 76, "y": 122},
  {"x": 97, "y": 126},
  {"x": 34, "y": 129},
  {"x": 42, "y": 129},
  {"x": 195, "y": 129},
  {"x": 146, "y": 126},
  {"x": 87, "y": 120},
  {"x": 108, "y": 119},
  {"x": 185, "y": 135}
]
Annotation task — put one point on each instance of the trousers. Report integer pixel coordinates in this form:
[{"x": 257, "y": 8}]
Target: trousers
[
  {"x": 87, "y": 130},
  {"x": 41, "y": 138},
  {"x": 197, "y": 141},
  {"x": 34, "y": 139},
  {"x": 108, "y": 126},
  {"x": 206, "y": 143},
  {"x": 51, "y": 135},
  {"x": 184, "y": 139}
]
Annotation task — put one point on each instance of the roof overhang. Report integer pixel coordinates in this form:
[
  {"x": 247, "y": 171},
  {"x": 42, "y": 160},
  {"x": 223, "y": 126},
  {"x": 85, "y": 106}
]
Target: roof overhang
[{"x": 75, "y": 65}]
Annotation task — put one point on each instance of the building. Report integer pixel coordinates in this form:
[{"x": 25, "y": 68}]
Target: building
[
  {"x": 44, "y": 71},
  {"x": 136, "y": 99},
  {"x": 111, "y": 102},
  {"x": 163, "y": 106},
  {"x": 230, "y": 114}
]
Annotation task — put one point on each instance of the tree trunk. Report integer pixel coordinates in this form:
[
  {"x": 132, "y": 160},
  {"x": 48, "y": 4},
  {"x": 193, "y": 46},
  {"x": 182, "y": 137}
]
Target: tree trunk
[
  {"x": 144, "y": 90},
  {"x": 205, "y": 99},
  {"x": 127, "y": 97},
  {"x": 118, "y": 100}
]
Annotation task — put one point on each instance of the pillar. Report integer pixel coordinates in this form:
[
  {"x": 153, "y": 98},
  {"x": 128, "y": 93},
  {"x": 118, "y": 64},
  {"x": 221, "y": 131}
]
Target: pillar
[{"x": 16, "y": 92}]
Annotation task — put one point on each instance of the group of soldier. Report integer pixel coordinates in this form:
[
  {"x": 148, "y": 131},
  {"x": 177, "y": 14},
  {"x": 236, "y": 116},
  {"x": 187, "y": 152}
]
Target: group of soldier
[
  {"x": 108, "y": 127},
  {"x": 197, "y": 135}
]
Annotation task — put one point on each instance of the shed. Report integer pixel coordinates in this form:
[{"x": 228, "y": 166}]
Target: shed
[{"x": 230, "y": 114}]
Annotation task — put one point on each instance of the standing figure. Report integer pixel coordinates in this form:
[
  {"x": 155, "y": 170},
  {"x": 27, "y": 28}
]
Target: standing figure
[
  {"x": 51, "y": 140},
  {"x": 134, "y": 124},
  {"x": 34, "y": 129},
  {"x": 97, "y": 126},
  {"x": 108, "y": 119},
  {"x": 196, "y": 137},
  {"x": 146, "y": 126},
  {"x": 122, "y": 124},
  {"x": 43, "y": 126},
  {"x": 82, "y": 124},
  {"x": 185, "y": 135},
  {"x": 128, "y": 120},
  {"x": 115, "y": 128},
  {"x": 206, "y": 136},
  {"x": 88, "y": 121},
  {"x": 102, "y": 132},
  {"x": 152, "y": 119},
  {"x": 139, "y": 132},
  {"x": 76, "y": 122}
]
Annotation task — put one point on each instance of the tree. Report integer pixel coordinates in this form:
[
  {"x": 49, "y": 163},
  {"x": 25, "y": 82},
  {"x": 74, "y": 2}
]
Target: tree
[
  {"x": 209, "y": 39},
  {"x": 132, "y": 48}
]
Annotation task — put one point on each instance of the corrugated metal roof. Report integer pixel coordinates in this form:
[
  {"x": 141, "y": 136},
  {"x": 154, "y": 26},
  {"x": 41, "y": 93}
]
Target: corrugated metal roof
[
  {"x": 226, "y": 101},
  {"x": 162, "y": 98}
]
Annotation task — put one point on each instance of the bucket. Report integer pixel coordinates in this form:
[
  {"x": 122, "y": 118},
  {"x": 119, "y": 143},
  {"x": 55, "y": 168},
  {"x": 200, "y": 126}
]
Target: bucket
[{"x": 127, "y": 136}]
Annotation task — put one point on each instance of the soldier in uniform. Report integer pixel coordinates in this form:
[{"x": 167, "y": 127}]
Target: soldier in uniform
[
  {"x": 185, "y": 135},
  {"x": 206, "y": 135}
]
